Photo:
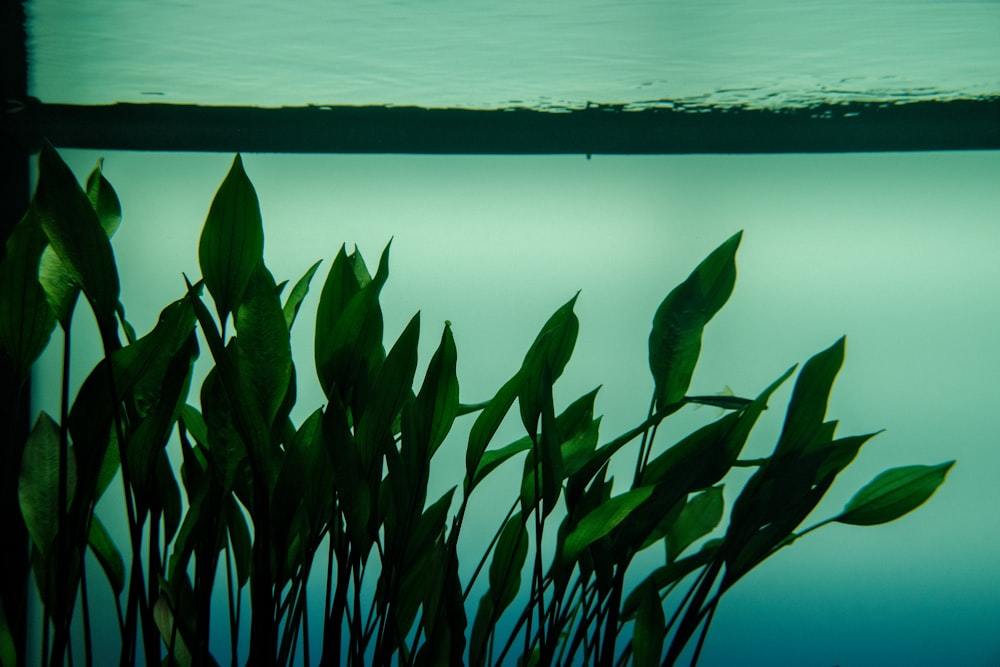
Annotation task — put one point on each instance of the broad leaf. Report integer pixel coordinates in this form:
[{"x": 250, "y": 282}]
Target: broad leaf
[
  {"x": 603, "y": 520},
  {"x": 26, "y": 320},
  {"x": 107, "y": 555},
  {"x": 508, "y": 559},
  {"x": 807, "y": 406},
  {"x": 650, "y": 630},
  {"x": 232, "y": 240},
  {"x": 38, "y": 483},
  {"x": 392, "y": 386},
  {"x": 699, "y": 516},
  {"x": 264, "y": 355},
  {"x": 349, "y": 336},
  {"x": 545, "y": 361},
  {"x": 675, "y": 340},
  {"x": 437, "y": 402},
  {"x": 894, "y": 493},
  {"x": 485, "y": 427},
  {"x": 76, "y": 235},
  {"x": 104, "y": 199}
]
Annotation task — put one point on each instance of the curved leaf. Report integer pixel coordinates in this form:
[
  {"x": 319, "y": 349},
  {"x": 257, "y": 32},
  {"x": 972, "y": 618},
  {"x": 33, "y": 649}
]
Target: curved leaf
[
  {"x": 603, "y": 520},
  {"x": 76, "y": 235},
  {"x": 392, "y": 387},
  {"x": 294, "y": 301},
  {"x": 107, "y": 555},
  {"x": 349, "y": 332},
  {"x": 232, "y": 240},
  {"x": 485, "y": 427},
  {"x": 545, "y": 361},
  {"x": 38, "y": 483},
  {"x": 807, "y": 406},
  {"x": 437, "y": 402},
  {"x": 104, "y": 199},
  {"x": 699, "y": 516},
  {"x": 264, "y": 354},
  {"x": 675, "y": 340},
  {"x": 894, "y": 493},
  {"x": 650, "y": 630},
  {"x": 26, "y": 320}
]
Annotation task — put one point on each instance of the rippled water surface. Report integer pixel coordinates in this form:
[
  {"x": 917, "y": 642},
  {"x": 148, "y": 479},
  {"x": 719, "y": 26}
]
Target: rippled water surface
[{"x": 541, "y": 53}]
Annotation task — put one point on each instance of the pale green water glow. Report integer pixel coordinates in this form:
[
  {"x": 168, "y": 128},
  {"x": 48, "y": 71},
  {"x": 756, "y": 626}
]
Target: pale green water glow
[
  {"x": 538, "y": 53},
  {"x": 897, "y": 251}
]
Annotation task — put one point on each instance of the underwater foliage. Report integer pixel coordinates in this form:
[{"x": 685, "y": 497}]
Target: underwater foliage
[{"x": 268, "y": 504}]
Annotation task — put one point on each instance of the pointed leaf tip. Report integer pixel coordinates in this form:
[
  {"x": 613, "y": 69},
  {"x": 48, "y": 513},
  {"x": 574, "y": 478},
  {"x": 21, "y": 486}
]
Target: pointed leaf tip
[{"x": 894, "y": 493}]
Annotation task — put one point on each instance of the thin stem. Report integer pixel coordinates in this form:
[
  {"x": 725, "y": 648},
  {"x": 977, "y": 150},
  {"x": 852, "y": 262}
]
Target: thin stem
[
  {"x": 305, "y": 628},
  {"x": 482, "y": 561},
  {"x": 85, "y": 601},
  {"x": 645, "y": 446},
  {"x": 61, "y": 612},
  {"x": 233, "y": 628},
  {"x": 704, "y": 630}
]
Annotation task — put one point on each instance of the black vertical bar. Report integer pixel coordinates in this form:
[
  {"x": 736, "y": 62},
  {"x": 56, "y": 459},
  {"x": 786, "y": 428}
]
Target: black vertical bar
[{"x": 14, "y": 399}]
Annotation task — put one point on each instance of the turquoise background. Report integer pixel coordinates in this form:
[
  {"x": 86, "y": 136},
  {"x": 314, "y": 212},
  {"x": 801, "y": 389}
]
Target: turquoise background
[{"x": 898, "y": 251}]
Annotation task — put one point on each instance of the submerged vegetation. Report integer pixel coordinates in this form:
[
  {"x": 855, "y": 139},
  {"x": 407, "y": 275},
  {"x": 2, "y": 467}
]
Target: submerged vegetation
[{"x": 226, "y": 496}]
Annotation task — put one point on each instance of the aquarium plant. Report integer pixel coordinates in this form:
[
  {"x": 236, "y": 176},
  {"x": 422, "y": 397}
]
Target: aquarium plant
[{"x": 225, "y": 495}]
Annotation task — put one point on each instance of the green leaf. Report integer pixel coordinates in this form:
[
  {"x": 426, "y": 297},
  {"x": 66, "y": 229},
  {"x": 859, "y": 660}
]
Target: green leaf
[
  {"x": 239, "y": 537},
  {"x": 894, "y": 493},
  {"x": 145, "y": 446},
  {"x": 549, "y": 451},
  {"x": 107, "y": 555},
  {"x": 26, "y": 320},
  {"x": 291, "y": 307},
  {"x": 170, "y": 498},
  {"x": 60, "y": 285},
  {"x": 232, "y": 240},
  {"x": 264, "y": 355},
  {"x": 662, "y": 577},
  {"x": 76, "y": 235},
  {"x": 650, "y": 630},
  {"x": 675, "y": 340},
  {"x": 436, "y": 405},
  {"x": 807, "y": 406},
  {"x": 545, "y": 361},
  {"x": 38, "y": 483},
  {"x": 576, "y": 425},
  {"x": 248, "y": 422},
  {"x": 508, "y": 559},
  {"x": 349, "y": 336},
  {"x": 104, "y": 199},
  {"x": 603, "y": 520},
  {"x": 163, "y": 615},
  {"x": 8, "y": 649},
  {"x": 393, "y": 385},
  {"x": 485, "y": 427},
  {"x": 339, "y": 288},
  {"x": 699, "y": 516}
]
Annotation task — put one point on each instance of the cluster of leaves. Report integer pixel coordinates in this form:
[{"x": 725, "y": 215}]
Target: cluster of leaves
[{"x": 349, "y": 485}]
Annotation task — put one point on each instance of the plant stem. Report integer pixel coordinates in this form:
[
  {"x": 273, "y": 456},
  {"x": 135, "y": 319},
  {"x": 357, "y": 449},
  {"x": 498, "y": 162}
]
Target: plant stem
[
  {"x": 85, "y": 601},
  {"x": 61, "y": 612}
]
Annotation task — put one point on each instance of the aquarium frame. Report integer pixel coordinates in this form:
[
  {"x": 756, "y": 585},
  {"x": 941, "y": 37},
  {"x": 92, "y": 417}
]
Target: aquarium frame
[{"x": 665, "y": 128}]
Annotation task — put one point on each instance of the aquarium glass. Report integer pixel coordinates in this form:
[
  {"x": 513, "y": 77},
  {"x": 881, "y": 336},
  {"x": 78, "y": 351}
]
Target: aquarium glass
[{"x": 898, "y": 251}]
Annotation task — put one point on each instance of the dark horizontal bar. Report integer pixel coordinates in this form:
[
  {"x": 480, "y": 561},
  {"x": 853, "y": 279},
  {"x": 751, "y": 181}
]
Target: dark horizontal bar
[{"x": 602, "y": 129}]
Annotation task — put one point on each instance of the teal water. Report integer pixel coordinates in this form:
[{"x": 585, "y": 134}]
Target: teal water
[
  {"x": 538, "y": 53},
  {"x": 898, "y": 251}
]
